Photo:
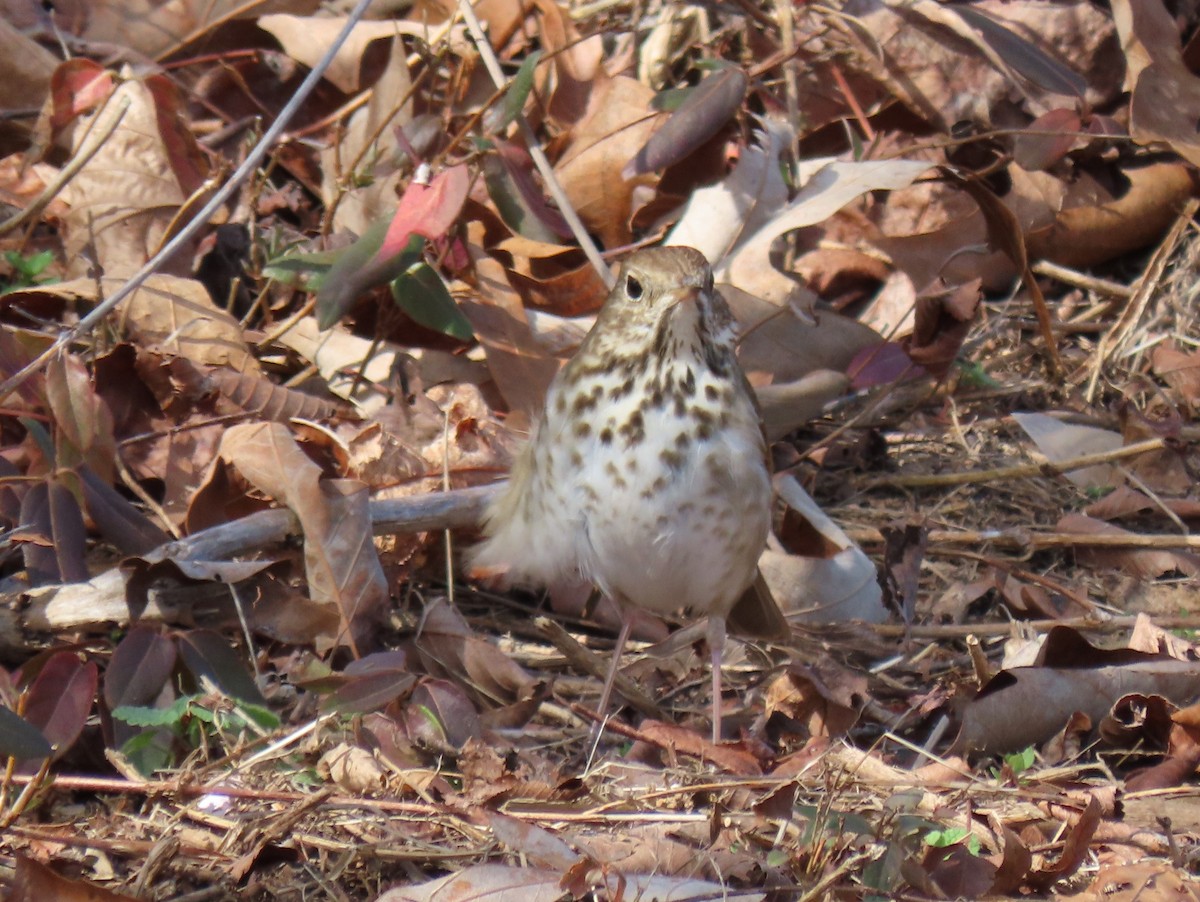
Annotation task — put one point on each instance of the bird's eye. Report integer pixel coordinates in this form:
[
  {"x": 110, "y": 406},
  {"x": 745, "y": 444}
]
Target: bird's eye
[{"x": 633, "y": 288}]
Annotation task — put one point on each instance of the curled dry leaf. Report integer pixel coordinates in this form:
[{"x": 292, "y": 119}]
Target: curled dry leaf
[
  {"x": 940, "y": 326},
  {"x": 577, "y": 60},
  {"x": 717, "y": 217},
  {"x": 823, "y": 704},
  {"x": 449, "y": 647},
  {"x": 307, "y": 38},
  {"x": 1181, "y": 371},
  {"x": 823, "y": 577},
  {"x": 1088, "y": 232},
  {"x": 369, "y": 151},
  {"x": 679, "y": 29},
  {"x": 833, "y": 186}
]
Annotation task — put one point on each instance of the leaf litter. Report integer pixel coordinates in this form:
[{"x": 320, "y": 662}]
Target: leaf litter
[{"x": 238, "y": 654}]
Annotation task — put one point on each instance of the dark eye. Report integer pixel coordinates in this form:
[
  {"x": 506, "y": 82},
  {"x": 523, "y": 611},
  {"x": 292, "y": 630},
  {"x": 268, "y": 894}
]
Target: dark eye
[{"x": 633, "y": 288}]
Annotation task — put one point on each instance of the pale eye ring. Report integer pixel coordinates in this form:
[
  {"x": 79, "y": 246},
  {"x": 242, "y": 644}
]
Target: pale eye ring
[{"x": 633, "y": 288}]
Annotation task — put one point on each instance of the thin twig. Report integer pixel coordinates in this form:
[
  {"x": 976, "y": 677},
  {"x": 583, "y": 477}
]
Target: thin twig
[
  {"x": 584, "y": 659},
  {"x": 1082, "y": 280},
  {"x": 1020, "y": 471},
  {"x": 1082, "y": 624},
  {"x": 1026, "y": 541}
]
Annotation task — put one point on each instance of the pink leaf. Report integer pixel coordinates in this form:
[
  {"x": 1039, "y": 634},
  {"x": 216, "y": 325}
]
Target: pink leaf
[{"x": 426, "y": 210}]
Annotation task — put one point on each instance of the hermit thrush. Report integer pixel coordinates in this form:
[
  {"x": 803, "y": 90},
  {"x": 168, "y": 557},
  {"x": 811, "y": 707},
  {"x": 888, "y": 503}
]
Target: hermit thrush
[{"x": 647, "y": 474}]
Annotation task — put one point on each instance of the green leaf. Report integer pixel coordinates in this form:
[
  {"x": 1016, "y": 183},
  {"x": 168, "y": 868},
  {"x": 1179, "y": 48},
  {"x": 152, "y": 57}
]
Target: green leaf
[
  {"x": 138, "y": 716},
  {"x": 149, "y": 751},
  {"x": 975, "y": 376},
  {"x": 1021, "y": 761},
  {"x": 38, "y": 431},
  {"x": 263, "y": 718},
  {"x": 939, "y": 839},
  {"x": 511, "y": 204},
  {"x": 952, "y": 836},
  {"x": 356, "y": 271},
  {"x": 669, "y": 99},
  {"x": 423, "y": 295},
  {"x": 514, "y": 98},
  {"x": 306, "y": 270},
  {"x": 303, "y": 776},
  {"x": 26, "y": 269},
  {"x": 30, "y": 267},
  {"x": 435, "y": 725}
]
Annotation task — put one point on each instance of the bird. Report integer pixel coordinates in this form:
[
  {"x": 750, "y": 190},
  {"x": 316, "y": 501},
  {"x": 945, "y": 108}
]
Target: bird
[{"x": 647, "y": 473}]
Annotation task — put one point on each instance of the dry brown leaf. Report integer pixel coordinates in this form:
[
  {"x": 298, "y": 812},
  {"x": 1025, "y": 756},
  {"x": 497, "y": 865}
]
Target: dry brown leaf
[
  {"x": 130, "y": 191},
  {"x": 777, "y": 345},
  {"x": 174, "y": 315},
  {"x": 1181, "y": 371},
  {"x": 521, "y": 368},
  {"x": 823, "y": 707},
  {"x": 1028, "y": 705},
  {"x": 717, "y": 217},
  {"x": 1166, "y": 94},
  {"x": 306, "y": 38},
  {"x": 829, "y": 188},
  {"x": 944, "y": 70},
  {"x": 449, "y": 647},
  {"x": 1104, "y": 229},
  {"x": 25, "y": 70},
  {"x": 1137, "y": 881},
  {"x": 153, "y": 28},
  {"x": 577, "y": 75},
  {"x": 341, "y": 563},
  {"x": 35, "y": 882},
  {"x": 353, "y": 769},
  {"x": 618, "y": 121}
]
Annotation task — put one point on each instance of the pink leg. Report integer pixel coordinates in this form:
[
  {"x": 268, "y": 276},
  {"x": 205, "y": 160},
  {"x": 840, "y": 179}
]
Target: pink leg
[
  {"x": 606, "y": 694},
  {"x": 716, "y": 647}
]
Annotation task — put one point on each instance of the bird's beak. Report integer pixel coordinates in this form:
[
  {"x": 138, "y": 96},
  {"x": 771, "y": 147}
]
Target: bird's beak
[{"x": 686, "y": 296}]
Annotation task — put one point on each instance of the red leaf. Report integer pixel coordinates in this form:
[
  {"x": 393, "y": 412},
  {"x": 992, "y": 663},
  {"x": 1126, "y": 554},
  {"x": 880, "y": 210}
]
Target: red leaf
[
  {"x": 60, "y": 699},
  {"x": 1047, "y": 139},
  {"x": 427, "y": 210},
  {"x": 77, "y": 86}
]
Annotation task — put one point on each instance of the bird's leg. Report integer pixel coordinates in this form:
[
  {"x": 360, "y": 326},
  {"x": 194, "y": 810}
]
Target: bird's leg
[
  {"x": 716, "y": 648},
  {"x": 606, "y": 694}
]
